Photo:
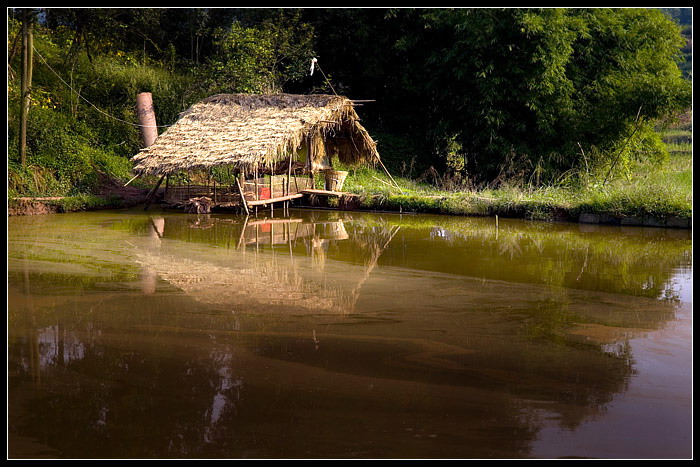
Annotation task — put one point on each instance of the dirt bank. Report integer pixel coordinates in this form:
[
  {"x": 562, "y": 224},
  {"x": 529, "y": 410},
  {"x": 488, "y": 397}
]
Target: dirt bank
[
  {"x": 109, "y": 193},
  {"x": 28, "y": 207}
]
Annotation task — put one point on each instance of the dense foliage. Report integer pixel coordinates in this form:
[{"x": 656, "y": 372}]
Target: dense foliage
[
  {"x": 484, "y": 95},
  {"x": 506, "y": 92}
]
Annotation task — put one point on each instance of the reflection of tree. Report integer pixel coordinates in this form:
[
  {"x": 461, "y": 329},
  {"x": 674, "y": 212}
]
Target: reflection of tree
[
  {"x": 633, "y": 261},
  {"x": 126, "y": 398},
  {"x": 160, "y": 394}
]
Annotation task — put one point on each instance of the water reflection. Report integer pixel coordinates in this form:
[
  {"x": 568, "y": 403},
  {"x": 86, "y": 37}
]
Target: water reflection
[
  {"x": 326, "y": 334},
  {"x": 294, "y": 276}
]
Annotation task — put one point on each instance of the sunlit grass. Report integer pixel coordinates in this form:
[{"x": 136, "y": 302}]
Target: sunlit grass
[{"x": 647, "y": 189}]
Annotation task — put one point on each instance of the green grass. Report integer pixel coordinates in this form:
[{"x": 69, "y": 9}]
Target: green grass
[{"x": 657, "y": 190}]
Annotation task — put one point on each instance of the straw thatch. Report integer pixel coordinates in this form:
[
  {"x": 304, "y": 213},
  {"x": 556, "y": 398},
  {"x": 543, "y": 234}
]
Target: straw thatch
[{"x": 249, "y": 131}]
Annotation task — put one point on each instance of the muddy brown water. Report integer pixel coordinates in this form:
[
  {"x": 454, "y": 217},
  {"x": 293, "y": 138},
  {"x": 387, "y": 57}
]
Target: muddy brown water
[{"x": 325, "y": 334}]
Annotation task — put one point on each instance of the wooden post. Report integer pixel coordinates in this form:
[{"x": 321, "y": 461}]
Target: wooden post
[
  {"x": 152, "y": 193},
  {"x": 243, "y": 200},
  {"x": 149, "y": 133},
  {"x": 289, "y": 178},
  {"x": 26, "y": 82},
  {"x": 310, "y": 163},
  {"x": 255, "y": 181},
  {"x": 147, "y": 118},
  {"x": 272, "y": 191},
  {"x": 289, "y": 172},
  {"x": 230, "y": 189}
]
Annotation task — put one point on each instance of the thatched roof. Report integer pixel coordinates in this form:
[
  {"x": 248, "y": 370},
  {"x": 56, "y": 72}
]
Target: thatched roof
[{"x": 258, "y": 130}]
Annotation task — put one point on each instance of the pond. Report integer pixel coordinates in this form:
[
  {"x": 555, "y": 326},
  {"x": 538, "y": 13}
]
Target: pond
[{"x": 332, "y": 334}]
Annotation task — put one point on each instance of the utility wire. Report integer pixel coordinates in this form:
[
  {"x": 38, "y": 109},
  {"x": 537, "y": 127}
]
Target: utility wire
[
  {"x": 314, "y": 64},
  {"x": 93, "y": 105}
]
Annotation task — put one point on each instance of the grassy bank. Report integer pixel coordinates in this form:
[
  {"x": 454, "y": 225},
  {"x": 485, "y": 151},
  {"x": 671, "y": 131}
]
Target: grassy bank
[{"x": 659, "y": 190}]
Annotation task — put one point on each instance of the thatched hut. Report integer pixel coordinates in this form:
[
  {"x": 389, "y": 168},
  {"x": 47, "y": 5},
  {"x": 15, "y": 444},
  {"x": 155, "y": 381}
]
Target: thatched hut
[{"x": 287, "y": 137}]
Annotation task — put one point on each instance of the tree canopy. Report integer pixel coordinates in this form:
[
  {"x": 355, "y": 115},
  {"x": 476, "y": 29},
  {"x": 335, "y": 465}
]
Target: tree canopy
[{"x": 502, "y": 91}]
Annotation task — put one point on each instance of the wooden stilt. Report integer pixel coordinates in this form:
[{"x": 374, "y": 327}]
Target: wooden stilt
[
  {"x": 310, "y": 163},
  {"x": 289, "y": 179},
  {"x": 272, "y": 191},
  {"x": 243, "y": 200},
  {"x": 255, "y": 181},
  {"x": 289, "y": 173},
  {"x": 152, "y": 193}
]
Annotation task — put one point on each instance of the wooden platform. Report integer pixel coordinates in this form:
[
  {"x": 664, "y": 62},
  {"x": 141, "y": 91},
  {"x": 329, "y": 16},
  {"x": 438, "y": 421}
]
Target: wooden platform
[
  {"x": 263, "y": 202},
  {"x": 323, "y": 192}
]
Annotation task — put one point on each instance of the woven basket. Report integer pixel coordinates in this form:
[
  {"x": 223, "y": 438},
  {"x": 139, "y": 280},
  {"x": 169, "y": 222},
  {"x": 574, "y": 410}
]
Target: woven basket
[{"x": 335, "y": 179}]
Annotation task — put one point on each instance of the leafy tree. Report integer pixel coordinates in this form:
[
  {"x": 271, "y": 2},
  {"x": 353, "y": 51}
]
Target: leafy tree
[
  {"x": 259, "y": 58},
  {"x": 512, "y": 92}
]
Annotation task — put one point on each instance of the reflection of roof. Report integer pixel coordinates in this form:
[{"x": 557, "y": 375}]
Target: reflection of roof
[
  {"x": 265, "y": 278},
  {"x": 259, "y": 282},
  {"x": 251, "y": 130}
]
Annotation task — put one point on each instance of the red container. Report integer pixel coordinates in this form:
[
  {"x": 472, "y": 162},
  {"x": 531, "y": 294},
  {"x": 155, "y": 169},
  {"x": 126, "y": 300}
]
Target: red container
[{"x": 264, "y": 192}]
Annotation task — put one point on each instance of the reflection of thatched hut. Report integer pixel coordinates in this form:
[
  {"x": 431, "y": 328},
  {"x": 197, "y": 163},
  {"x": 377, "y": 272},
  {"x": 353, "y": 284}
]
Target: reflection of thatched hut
[
  {"x": 248, "y": 136},
  {"x": 263, "y": 278}
]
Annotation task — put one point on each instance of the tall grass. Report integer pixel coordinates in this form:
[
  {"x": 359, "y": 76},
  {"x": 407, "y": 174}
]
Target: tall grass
[{"x": 647, "y": 188}]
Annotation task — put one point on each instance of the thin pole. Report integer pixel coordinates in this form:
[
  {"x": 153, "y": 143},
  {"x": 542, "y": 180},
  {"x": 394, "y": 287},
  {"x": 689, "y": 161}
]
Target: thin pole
[
  {"x": 26, "y": 83},
  {"x": 289, "y": 171},
  {"x": 243, "y": 200},
  {"x": 636, "y": 127},
  {"x": 152, "y": 193},
  {"x": 255, "y": 180},
  {"x": 132, "y": 179},
  {"x": 390, "y": 177},
  {"x": 289, "y": 177},
  {"x": 310, "y": 162},
  {"x": 272, "y": 190}
]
